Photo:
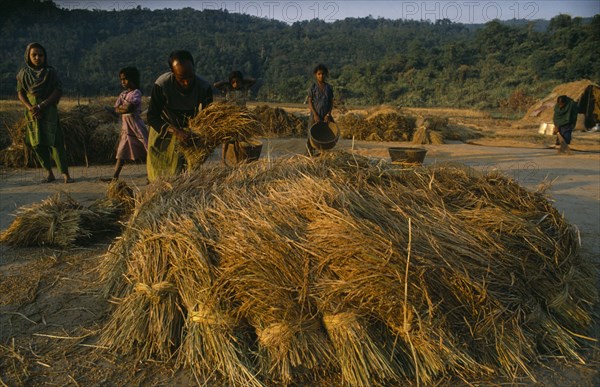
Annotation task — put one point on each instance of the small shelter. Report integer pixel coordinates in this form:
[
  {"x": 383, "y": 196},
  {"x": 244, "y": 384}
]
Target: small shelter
[{"x": 587, "y": 95}]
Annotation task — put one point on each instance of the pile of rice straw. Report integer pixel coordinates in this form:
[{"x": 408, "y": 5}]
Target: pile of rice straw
[
  {"x": 296, "y": 270},
  {"x": 279, "y": 122},
  {"x": 385, "y": 125},
  {"x": 60, "y": 221},
  {"x": 18, "y": 154},
  {"x": 105, "y": 138},
  {"x": 91, "y": 134},
  {"x": 218, "y": 123}
]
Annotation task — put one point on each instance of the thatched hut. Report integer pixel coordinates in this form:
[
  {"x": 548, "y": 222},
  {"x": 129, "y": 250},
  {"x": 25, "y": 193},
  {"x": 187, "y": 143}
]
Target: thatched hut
[{"x": 587, "y": 95}]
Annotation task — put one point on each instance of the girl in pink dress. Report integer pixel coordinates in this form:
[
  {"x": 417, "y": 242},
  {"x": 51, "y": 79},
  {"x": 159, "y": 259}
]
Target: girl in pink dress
[{"x": 133, "y": 143}]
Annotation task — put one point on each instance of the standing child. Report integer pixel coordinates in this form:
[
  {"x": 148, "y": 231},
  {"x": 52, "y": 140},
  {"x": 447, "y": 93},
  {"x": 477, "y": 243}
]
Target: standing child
[
  {"x": 39, "y": 89},
  {"x": 236, "y": 89},
  {"x": 320, "y": 101},
  {"x": 133, "y": 143}
]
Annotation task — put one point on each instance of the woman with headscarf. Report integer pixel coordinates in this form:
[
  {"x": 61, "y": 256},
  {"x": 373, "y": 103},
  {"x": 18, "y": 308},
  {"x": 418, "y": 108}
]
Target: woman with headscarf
[
  {"x": 39, "y": 89},
  {"x": 565, "y": 118}
]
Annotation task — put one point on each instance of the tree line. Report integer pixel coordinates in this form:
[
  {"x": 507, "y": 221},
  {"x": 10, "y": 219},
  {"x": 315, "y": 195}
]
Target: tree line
[{"x": 371, "y": 61}]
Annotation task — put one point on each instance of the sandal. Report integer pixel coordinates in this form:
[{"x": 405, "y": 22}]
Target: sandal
[
  {"x": 69, "y": 180},
  {"x": 48, "y": 179}
]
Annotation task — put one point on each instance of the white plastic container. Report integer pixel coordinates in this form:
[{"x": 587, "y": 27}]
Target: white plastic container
[{"x": 546, "y": 128}]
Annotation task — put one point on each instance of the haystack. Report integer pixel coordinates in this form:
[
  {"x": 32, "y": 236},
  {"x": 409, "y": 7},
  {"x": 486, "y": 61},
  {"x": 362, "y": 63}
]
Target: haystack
[
  {"x": 103, "y": 142},
  {"x": 353, "y": 125},
  {"x": 18, "y": 154},
  {"x": 91, "y": 134},
  {"x": 80, "y": 125},
  {"x": 383, "y": 124},
  {"x": 7, "y": 130},
  {"x": 284, "y": 272},
  {"x": 279, "y": 122}
]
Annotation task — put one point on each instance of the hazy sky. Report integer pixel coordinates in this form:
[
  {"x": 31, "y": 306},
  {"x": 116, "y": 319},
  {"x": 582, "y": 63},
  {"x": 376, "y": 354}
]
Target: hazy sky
[{"x": 463, "y": 11}]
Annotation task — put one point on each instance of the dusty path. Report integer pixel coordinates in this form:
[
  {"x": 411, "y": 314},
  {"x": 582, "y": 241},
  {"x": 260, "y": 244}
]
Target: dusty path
[{"x": 575, "y": 179}]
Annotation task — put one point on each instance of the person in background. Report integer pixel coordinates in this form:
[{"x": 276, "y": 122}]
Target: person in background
[
  {"x": 236, "y": 89},
  {"x": 565, "y": 118},
  {"x": 236, "y": 92},
  {"x": 177, "y": 96},
  {"x": 39, "y": 89},
  {"x": 133, "y": 142},
  {"x": 320, "y": 101}
]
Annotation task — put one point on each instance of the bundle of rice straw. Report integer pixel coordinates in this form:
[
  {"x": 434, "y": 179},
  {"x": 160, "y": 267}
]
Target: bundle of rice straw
[
  {"x": 460, "y": 133},
  {"x": 279, "y": 122},
  {"x": 182, "y": 263},
  {"x": 153, "y": 299},
  {"x": 282, "y": 272},
  {"x": 15, "y": 132},
  {"x": 263, "y": 270},
  {"x": 119, "y": 191},
  {"x": 62, "y": 222},
  {"x": 109, "y": 212},
  {"x": 425, "y": 136},
  {"x": 17, "y": 156},
  {"x": 214, "y": 338},
  {"x": 218, "y": 123},
  {"x": 56, "y": 221}
]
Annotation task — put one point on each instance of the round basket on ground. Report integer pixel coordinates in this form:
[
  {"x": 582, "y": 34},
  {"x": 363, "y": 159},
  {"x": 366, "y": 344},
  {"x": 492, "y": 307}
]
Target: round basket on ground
[
  {"x": 241, "y": 152},
  {"x": 323, "y": 135},
  {"x": 407, "y": 155}
]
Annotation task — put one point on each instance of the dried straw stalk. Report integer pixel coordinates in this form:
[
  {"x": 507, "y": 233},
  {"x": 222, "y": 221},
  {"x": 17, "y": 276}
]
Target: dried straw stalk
[
  {"x": 148, "y": 321},
  {"x": 62, "y": 222},
  {"x": 279, "y": 122},
  {"x": 383, "y": 274},
  {"x": 218, "y": 123},
  {"x": 212, "y": 340},
  {"x": 264, "y": 271},
  {"x": 56, "y": 221}
]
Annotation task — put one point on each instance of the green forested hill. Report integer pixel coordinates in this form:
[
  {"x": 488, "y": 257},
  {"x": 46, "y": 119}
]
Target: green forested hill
[{"x": 371, "y": 61}]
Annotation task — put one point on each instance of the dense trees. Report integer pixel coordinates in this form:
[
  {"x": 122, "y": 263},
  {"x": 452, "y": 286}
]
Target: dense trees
[{"x": 371, "y": 61}]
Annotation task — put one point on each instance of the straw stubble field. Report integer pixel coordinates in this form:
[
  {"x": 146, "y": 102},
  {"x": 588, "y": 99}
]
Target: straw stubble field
[{"x": 52, "y": 308}]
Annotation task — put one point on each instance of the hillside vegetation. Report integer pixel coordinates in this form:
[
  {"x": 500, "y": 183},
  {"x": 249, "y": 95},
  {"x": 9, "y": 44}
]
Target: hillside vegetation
[{"x": 371, "y": 61}]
